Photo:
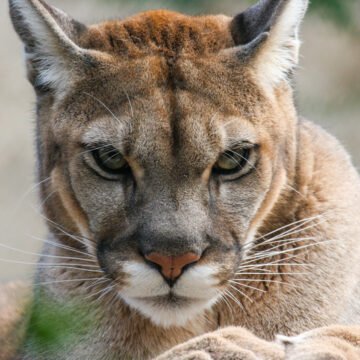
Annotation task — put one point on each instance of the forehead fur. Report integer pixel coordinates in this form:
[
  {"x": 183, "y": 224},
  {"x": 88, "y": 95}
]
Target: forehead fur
[{"x": 161, "y": 32}]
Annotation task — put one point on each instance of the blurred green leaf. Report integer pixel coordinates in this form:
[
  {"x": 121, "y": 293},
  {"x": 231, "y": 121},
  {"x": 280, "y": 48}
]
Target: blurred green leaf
[
  {"x": 53, "y": 326},
  {"x": 337, "y": 11}
]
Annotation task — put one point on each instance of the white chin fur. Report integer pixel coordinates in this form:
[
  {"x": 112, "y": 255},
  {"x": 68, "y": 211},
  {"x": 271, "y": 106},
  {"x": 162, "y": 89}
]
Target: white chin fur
[
  {"x": 194, "y": 292},
  {"x": 168, "y": 315}
]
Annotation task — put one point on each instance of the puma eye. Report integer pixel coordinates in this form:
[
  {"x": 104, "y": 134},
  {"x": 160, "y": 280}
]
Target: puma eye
[
  {"x": 235, "y": 161},
  {"x": 110, "y": 160}
]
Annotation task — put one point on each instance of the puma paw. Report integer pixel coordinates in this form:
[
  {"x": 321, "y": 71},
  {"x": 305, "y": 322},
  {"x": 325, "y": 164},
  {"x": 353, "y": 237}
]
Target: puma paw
[
  {"x": 329, "y": 343},
  {"x": 226, "y": 344}
]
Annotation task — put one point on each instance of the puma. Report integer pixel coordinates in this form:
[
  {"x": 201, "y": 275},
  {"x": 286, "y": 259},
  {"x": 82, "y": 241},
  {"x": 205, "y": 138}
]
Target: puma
[{"x": 192, "y": 213}]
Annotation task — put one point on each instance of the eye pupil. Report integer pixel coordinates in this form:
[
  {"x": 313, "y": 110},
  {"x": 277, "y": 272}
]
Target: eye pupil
[{"x": 110, "y": 160}]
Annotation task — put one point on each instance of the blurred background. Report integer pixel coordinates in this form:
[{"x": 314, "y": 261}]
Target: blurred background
[{"x": 328, "y": 92}]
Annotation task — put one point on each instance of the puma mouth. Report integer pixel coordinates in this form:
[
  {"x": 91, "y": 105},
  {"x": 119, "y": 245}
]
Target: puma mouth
[
  {"x": 171, "y": 299},
  {"x": 170, "y": 310},
  {"x": 148, "y": 293}
]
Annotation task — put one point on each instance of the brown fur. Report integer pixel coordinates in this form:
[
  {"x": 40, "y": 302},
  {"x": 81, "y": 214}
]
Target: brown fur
[{"x": 172, "y": 93}]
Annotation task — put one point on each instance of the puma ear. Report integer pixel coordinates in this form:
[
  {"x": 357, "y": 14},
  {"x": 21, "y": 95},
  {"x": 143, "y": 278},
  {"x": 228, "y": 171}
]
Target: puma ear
[
  {"x": 50, "y": 37},
  {"x": 267, "y": 37}
]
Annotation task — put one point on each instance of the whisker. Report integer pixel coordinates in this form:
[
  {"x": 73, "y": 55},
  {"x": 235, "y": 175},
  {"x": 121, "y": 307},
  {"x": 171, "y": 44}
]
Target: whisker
[
  {"x": 297, "y": 229},
  {"x": 240, "y": 292},
  {"x": 104, "y": 105},
  {"x": 254, "y": 264},
  {"x": 106, "y": 292},
  {"x": 63, "y": 281},
  {"x": 271, "y": 273},
  {"x": 104, "y": 146},
  {"x": 243, "y": 158},
  {"x": 282, "y": 242},
  {"x": 232, "y": 297},
  {"x": 238, "y": 281},
  {"x": 267, "y": 281},
  {"x": 62, "y": 246},
  {"x": 229, "y": 123},
  {"x": 43, "y": 255},
  {"x": 298, "y": 222},
  {"x": 262, "y": 271},
  {"x": 225, "y": 300},
  {"x": 246, "y": 286},
  {"x": 94, "y": 294},
  {"x": 54, "y": 266},
  {"x": 296, "y": 191},
  {"x": 291, "y": 250},
  {"x": 113, "y": 300},
  {"x": 98, "y": 282},
  {"x": 42, "y": 203},
  {"x": 30, "y": 190},
  {"x": 72, "y": 268},
  {"x": 77, "y": 239},
  {"x": 72, "y": 236},
  {"x": 97, "y": 148},
  {"x": 273, "y": 249},
  {"x": 131, "y": 107},
  {"x": 254, "y": 260},
  {"x": 45, "y": 264}
]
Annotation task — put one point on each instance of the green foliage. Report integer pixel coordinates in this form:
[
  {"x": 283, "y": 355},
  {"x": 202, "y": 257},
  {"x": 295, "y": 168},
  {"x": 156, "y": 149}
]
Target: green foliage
[
  {"x": 54, "y": 327},
  {"x": 338, "y": 11}
]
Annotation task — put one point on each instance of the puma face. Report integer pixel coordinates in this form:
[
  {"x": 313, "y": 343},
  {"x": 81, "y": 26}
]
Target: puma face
[{"x": 167, "y": 139}]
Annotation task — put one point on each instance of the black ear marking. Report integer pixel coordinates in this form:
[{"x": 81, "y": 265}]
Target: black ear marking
[
  {"x": 257, "y": 19},
  {"x": 247, "y": 51},
  {"x": 267, "y": 36}
]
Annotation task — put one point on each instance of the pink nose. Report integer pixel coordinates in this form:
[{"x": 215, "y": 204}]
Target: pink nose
[{"x": 172, "y": 266}]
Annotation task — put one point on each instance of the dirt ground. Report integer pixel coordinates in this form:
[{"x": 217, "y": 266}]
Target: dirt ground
[{"x": 328, "y": 92}]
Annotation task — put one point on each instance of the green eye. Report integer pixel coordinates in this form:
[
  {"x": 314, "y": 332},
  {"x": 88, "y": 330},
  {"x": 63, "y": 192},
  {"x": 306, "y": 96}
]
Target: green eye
[
  {"x": 110, "y": 160},
  {"x": 232, "y": 161}
]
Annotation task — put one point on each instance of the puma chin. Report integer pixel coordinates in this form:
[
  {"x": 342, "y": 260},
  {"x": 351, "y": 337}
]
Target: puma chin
[{"x": 147, "y": 291}]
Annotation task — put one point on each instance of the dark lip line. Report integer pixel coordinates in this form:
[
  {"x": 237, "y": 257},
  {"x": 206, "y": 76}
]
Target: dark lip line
[{"x": 169, "y": 296}]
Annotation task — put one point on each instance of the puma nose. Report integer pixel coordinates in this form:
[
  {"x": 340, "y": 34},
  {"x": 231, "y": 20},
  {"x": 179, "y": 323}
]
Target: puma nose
[{"x": 172, "y": 266}]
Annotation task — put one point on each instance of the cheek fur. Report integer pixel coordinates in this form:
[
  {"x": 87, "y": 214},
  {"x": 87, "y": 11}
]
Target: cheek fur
[
  {"x": 71, "y": 205},
  {"x": 103, "y": 201}
]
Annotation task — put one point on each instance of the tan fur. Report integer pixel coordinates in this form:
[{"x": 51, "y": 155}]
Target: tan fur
[
  {"x": 171, "y": 92},
  {"x": 14, "y": 302}
]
